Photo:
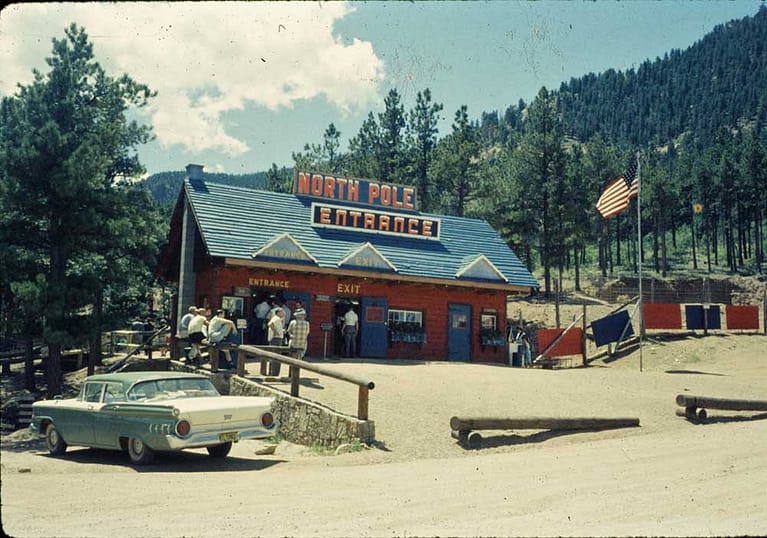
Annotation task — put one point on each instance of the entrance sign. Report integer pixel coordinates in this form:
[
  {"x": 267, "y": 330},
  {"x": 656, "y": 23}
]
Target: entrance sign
[{"x": 373, "y": 221}]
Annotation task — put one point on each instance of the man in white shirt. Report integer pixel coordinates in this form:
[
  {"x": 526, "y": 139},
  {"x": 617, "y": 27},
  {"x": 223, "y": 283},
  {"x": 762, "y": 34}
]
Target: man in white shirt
[
  {"x": 349, "y": 329},
  {"x": 259, "y": 323},
  {"x": 197, "y": 334},
  {"x": 219, "y": 330}
]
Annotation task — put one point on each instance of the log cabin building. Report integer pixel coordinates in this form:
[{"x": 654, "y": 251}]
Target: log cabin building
[{"x": 425, "y": 286}]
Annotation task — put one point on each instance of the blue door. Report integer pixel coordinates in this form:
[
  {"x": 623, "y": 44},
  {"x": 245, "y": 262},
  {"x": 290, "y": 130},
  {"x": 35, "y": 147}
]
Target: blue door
[
  {"x": 459, "y": 332},
  {"x": 374, "y": 313},
  {"x": 291, "y": 297}
]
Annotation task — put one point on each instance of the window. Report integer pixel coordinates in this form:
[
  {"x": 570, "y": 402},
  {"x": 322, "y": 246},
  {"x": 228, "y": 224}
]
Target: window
[
  {"x": 489, "y": 321},
  {"x": 114, "y": 393},
  {"x": 92, "y": 392},
  {"x": 411, "y": 317}
]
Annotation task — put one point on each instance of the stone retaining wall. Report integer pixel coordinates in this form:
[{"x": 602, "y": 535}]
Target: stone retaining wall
[
  {"x": 305, "y": 422},
  {"x": 301, "y": 421}
]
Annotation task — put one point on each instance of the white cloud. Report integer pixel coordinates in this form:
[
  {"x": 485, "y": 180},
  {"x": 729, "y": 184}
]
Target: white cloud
[{"x": 204, "y": 58}]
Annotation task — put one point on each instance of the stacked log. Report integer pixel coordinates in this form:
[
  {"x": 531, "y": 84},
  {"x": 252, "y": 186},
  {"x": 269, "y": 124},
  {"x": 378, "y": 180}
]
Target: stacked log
[
  {"x": 462, "y": 427},
  {"x": 693, "y": 408}
]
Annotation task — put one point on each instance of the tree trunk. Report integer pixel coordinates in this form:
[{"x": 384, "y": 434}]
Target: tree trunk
[
  {"x": 29, "y": 364},
  {"x": 663, "y": 253},
  {"x": 577, "y": 266}
]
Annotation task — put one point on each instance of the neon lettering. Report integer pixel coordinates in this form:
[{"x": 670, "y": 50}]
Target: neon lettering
[
  {"x": 353, "y": 191},
  {"x": 330, "y": 187},
  {"x": 317, "y": 181},
  {"x": 341, "y": 182},
  {"x": 373, "y": 192},
  {"x": 385, "y": 195},
  {"x": 303, "y": 183}
]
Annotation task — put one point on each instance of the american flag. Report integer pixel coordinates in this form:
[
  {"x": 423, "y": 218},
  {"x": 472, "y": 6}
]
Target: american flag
[{"x": 616, "y": 196}]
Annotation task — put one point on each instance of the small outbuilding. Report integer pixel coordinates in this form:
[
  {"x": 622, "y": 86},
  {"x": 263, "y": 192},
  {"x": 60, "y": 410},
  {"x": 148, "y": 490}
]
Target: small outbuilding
[{"x": 423, "y": 286}]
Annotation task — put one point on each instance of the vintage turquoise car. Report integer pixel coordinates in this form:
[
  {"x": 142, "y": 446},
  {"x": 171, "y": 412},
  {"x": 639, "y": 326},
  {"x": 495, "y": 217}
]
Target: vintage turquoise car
[{"x": 146, "y": 412}]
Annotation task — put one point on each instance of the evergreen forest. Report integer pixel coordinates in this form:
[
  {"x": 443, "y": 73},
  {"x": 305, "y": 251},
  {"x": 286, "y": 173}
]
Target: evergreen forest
[
  {"x": 80, "y": 236},
  {"x": 693, "y": 120}
]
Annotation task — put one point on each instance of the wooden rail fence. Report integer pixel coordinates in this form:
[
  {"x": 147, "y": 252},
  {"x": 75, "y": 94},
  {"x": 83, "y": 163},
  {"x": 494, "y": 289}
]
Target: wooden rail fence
[{"x": 280, "y": 354}]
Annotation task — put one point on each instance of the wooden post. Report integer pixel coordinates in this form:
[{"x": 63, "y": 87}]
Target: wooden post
[
  {"x": 362, "y": 402},
  {"x": 541, "y": 423},
  {"x": 213, "y": 352},
  {"x": 584, "y": 341},
  {"x": 295, "y": 373}
]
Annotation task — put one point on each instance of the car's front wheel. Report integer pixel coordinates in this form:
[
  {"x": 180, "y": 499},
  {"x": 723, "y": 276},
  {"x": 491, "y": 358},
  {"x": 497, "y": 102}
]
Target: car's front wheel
[
  {"x": 54, "y": 441},
  {"x": 139, "y": 453},
  {"x": 220, "y": 451}
]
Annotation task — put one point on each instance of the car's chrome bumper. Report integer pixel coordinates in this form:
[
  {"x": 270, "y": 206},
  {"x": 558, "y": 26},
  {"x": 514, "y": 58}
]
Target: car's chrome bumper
[{"x": 203, "y": 439}]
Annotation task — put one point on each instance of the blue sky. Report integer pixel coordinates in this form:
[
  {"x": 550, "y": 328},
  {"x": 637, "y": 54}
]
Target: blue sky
[{"x": 243, "y": 85}]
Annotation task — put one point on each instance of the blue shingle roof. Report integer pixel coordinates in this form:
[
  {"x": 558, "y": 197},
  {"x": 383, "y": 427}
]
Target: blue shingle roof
[{"x": 235, "y": 222}]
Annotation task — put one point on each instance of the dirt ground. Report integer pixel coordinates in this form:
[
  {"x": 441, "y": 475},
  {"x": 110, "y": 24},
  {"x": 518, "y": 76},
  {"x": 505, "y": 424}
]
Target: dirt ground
[{"x": 667, "y": 477}]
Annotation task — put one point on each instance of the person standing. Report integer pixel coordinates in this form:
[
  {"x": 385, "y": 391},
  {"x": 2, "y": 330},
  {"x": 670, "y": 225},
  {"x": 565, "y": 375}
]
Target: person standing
[
  {"x": 351, "y": 322},
  {"x": 262, "y": 318},
  {"x": 285, "y": 319},
  {"x": 276, "y": 328},
  {"x": 524, "y": 347},
  {"x": 298, "y": 330}
]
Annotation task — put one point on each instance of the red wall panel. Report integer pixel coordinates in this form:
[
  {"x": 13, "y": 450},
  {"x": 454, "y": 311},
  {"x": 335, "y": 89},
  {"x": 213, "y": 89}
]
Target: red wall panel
[
  {"x": 662, "y": 316},
  {"x": 433, "y": 300},
  {"x": 570, "y": 344},
  {"x": 742, "y": 316}
]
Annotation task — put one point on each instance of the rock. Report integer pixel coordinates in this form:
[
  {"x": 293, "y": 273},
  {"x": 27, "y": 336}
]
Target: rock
[
  {"x": 344, "y": 449},
  {"x": 266, "y": 450}
]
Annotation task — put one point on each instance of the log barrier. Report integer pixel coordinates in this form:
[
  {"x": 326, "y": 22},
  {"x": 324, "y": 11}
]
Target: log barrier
[
  {"x": 693, "y": 407},
  {"x": 462, "y": 427},
  {"x": 721, "y": 403}
]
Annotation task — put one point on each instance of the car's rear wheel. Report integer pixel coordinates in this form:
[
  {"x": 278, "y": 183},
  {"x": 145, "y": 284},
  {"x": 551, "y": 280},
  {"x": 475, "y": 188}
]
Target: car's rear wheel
[
  {"x": 54, "y": 441},
  {"x": 139, "y": 453},
  {"x": 220, "y": 451}
]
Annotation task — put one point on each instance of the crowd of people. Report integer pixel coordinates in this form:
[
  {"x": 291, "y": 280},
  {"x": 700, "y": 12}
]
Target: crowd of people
[{"x": 273, "y": 324}]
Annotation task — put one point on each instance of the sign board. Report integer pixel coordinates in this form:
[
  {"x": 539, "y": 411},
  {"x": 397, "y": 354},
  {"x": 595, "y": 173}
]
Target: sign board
[
  {"x": 241, "y": 291},
  {"x": 327, "y": 326},
  {"x": 359, "y": 219},
  {"x": 242, "y": 323},
  {"x": 357, "y": 191}
]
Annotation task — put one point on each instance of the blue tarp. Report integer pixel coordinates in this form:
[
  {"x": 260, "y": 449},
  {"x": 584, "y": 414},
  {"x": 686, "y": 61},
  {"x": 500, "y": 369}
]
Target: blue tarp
[
  {"x": 694, "y": 314},
  {"x": 610, "y": 328}
]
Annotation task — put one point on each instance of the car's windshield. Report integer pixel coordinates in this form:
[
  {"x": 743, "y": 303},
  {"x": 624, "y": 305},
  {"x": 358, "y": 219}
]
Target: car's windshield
[{"x": 164, "y": 389}]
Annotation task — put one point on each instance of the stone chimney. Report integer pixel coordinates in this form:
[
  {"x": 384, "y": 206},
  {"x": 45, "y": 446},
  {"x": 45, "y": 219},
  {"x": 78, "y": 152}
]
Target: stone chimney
[{"x": 194, "y": 171}]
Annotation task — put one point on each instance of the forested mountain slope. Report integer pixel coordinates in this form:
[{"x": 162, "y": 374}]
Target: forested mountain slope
[
  {"x": 164, "y": 186},
  {"x": 719, "y": 81}
]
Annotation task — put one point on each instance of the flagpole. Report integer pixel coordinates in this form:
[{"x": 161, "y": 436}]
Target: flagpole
[{"x": 639, "y": 257}]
